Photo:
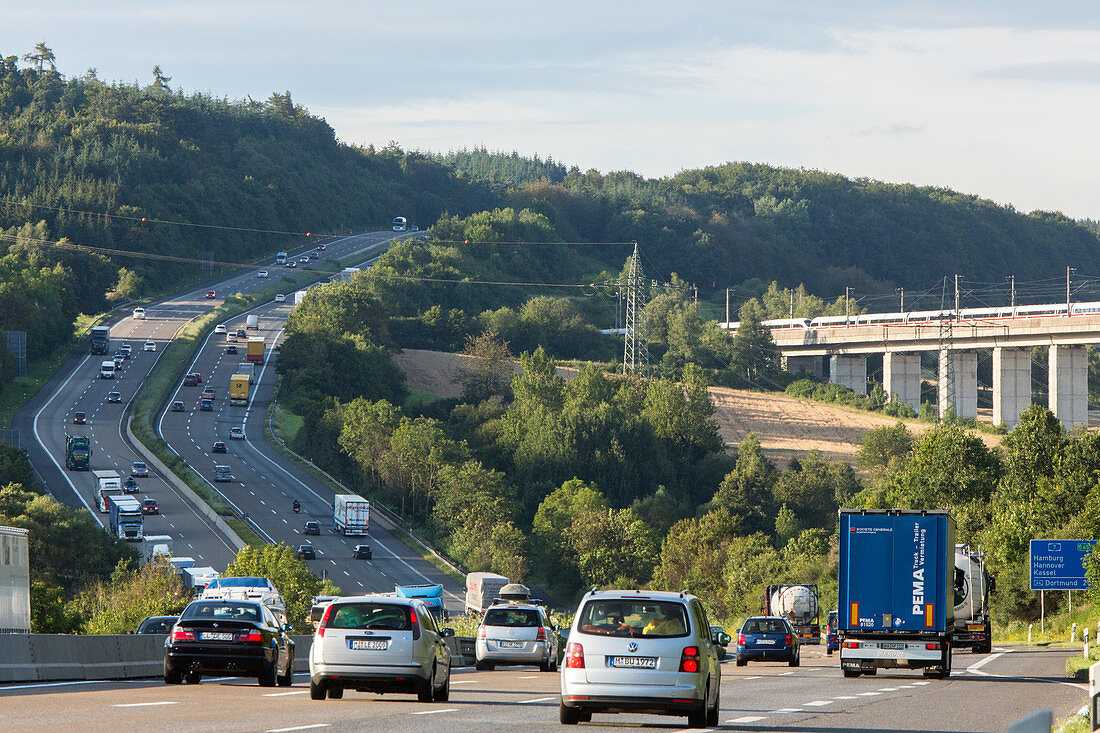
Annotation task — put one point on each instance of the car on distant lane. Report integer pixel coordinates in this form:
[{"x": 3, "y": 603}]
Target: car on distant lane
[
  {"x": 261, "y": 273},
  {"x": 157, "y": 625},
  {"x": 79, "y": 418},
  {"x": 306, "y": 552},
  {"x": 280, "y": 298},
  {"x": 236, "y": 433},
  {"x": 150, "y": 506},
  {"x": 362, "y": 552},
  {"x": 312, "y": 528},
  {"x": 210, "y": 295},
  {"x": 767, "y": 639},
  {"x": 177, "y": 406},
  {"x": 149, "y": 346},
  {"x": 114, "y": 397},
  {"x": 130, "y": 485},
  {"x": 218, "y": 447},
  {"x": 139, "y": 469}
]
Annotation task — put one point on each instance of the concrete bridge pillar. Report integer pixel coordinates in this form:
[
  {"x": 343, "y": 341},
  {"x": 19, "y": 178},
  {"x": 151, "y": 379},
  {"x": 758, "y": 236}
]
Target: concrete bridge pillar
[
  {"x": 901, "y": 377},
  {"x": 1069, "y": 385},
  {"x": 1011, "y": 385},
  {"x": 812, "y": 365},
  {"x": 958, "y": 383},
  {"x": 850, "y": 372}
]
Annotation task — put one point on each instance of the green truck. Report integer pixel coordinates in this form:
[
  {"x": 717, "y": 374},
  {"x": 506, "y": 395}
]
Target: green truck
[{"x": 78, "y": 453}]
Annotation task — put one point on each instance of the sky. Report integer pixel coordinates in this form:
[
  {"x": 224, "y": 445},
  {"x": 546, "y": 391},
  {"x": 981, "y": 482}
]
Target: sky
[{"x": 996, "y": 99}]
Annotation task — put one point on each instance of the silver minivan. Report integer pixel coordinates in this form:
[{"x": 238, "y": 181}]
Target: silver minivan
[
  {"x": 379, "y": 643},
  {"x": 640, "y": 652},
  {"x": 517, "y": 633}
]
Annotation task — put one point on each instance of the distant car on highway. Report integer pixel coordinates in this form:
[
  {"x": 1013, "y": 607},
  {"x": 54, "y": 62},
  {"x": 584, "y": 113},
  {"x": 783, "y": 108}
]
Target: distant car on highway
[
  {"x": 157, "y": 625},
  {"x": 119, "y": 360},
  {"x": 79, "y": 418},
  {"x": 261, "y": 273},
  {"x": 517, "y": 633},
  {"x": 220, "y": 328},
  {"x": 206, "y": 405},
  {"x": 236, "y": 433},
  {"x": 241, "y": 333},
  {"x": 222, "y": 473},
  {"x": 208, "y": 393},
  {"x": 218, "y": 447},
  {"x": 832, "y": 633},
  {"x": 303, "y": 259},
  {"x": 114, "y": 397},
  {"x": 149, "y": 346},
  {"x": 150, "y": 506},
  {"x": 125, "y": 350},
  {"x": 235, "y": 637},
  {"x": 139, "y": 314},
  {"x": 291, "y": 263},
  {"x": 177, "y": 406},
  {"x": 130, "y": 485},
  {"x": 312, "y": 527},
  {"x": 280, "y": 298},
  {"x": 191, "y": 380},
  {"x": 210, "y": 295},
  {"x": 320, "y": 248},
  {"x": 306, "y": 552},
  {"x": 313, "y": 255},
  {"x": 231, "y": 348},
  {"x": 138, "y": 468},
  {"x": 379, "y": 643},
  {"x": 767, "y": 639},
  {"x": 362, "y": 552}
]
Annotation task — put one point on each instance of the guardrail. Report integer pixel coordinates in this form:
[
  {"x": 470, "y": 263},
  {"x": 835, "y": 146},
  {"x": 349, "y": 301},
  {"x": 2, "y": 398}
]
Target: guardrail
[{"x": 62, "y": 657}]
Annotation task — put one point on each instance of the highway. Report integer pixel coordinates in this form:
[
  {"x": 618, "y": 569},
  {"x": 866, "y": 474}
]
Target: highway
[
  {"x": 985, "y": 693},
  {"x": 46, "y": 419}
]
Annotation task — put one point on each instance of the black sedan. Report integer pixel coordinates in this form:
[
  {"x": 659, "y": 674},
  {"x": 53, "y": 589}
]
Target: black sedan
[
  {"x": 312, "y": 528},
  {"x": 306, "y": 552},
  {"x": 218, "y": 447},
  {"x": 229, "y": 637},
  {"x": 157, "y": 625},
  {"x": 362, "y": 552}
]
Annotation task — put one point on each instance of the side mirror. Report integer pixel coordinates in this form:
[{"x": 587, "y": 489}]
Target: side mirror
[
  {"x": 724, "y": 638},
  {"x": 445, "y": 633}
]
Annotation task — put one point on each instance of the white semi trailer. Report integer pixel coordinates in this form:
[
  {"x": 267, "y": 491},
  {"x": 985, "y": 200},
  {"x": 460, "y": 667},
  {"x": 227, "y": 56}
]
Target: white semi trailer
[{"x": 15, "y": 581}]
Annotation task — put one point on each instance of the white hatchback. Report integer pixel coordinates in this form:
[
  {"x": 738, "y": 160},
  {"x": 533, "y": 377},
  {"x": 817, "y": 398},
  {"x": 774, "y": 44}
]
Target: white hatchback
[
  {"x": 261, "y": 273},
  {"x": 280, "y": 298},
  {"x": 379, "y": 643},
  {"x": 149, "y": 346},
  {"x": 640, "y": 652},
  {"x": 220, "y": 328}
]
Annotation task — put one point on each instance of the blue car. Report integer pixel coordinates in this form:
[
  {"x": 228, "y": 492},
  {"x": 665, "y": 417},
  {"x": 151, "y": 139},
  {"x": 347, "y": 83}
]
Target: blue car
[
  {"x": 767, "y": 639},
  {"x": 832, "y": 634}
]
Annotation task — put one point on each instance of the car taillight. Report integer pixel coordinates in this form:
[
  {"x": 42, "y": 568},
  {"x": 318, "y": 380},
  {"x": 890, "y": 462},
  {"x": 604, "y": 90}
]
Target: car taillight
[
  {"x": 541, "y": 636},
  {"x": 324, "y": 620},
  {"x": 250, "y": 636},
  {"x": 481, "y": 632},
  {"x": 787, "y": 639},
  {"x": 182, "y": 635},
  {"x": 740, "y": 638},
  {"x": 415, "y": 623},
  {"x": 574, "y": 656},
  {"x": 689, "y": 659},
  {"x": 932, "y": 645},
  {"x": 851, "y": 645}
]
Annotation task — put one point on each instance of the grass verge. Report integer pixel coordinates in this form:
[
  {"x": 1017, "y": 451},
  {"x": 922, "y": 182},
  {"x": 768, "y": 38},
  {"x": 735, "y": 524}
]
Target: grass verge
[{"x": 245, "y": 532}]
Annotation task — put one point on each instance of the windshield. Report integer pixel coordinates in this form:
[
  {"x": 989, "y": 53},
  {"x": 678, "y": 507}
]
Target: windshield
[
  {"x": 239, "y": 583},
  {"x": 223, "y": 611},
  {"x": 765, "y": 626},
  {"x": 634, "y": 618},
  {"x": 512, "y": 617},
  {"x": 370, "y": 616}
]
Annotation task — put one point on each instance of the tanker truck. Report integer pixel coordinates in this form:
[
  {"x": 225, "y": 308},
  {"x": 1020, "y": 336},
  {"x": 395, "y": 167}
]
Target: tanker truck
[
  {"x": 972, "y": 588},
  {"x": 798, "y": 604}
]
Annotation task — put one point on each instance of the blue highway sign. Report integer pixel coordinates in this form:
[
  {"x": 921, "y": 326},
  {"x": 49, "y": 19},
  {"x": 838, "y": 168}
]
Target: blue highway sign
[{"x": 1060, "y": 564}]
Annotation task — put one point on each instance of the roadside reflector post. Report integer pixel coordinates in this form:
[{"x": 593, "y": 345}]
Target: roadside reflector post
[{"x": 1030, "y": 625}]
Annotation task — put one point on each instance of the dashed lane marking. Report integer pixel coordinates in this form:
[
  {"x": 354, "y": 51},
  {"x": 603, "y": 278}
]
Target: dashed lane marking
[
  {"x": 746, "y": 719},
  {"x": 283, "y": 694},
  {"x": 868, "y": 694},
  {"x": 537, "y": 699},
  {"x": 784, "y": 711},
  {"x": 144, "y": 704},
  {"x": 298, "y": 727},
  {"x": 433, "y": 712},
  {"x": 817, "y": 703}
]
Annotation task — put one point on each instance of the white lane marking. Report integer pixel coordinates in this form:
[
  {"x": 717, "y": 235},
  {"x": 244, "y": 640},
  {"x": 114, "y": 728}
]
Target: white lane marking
[
  {"x": 433, "y": 712},
  {"x": 784, "y": 674},
  {"x": 537, "y": 699},
  {"x": 143, "y": 704},
  {"x": 905, "y": 687},
  {"x": 868, "y": 694},
  {"x": 465, "y": 682},
  {"x": 298, "y": 727},
  {"x": 530, "y": 677},
  {"x": 845, "y": 697},
  {"x": 758, "y": 677},
  {"x": 283, "y": 694},
  {"x": 974, "y": 668},
  {"x": 922, "y": 683},
  {"x": 746, "y": 719},
  {"x": 787, "y": 710},
  {"x": 817, "y": 703},
  {"x": 887, "y": 689}
]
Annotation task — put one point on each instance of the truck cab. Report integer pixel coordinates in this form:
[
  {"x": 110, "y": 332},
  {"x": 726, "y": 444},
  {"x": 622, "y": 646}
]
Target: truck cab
[{"x": 107, "y": 369}]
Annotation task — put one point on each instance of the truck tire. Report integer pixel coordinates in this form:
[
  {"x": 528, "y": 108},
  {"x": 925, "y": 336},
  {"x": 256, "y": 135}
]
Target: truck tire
[{"x": 852, "y": 673}]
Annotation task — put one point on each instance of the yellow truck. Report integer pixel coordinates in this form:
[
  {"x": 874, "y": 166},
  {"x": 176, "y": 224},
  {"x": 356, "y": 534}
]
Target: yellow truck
[
  {"x": 238, "y": 389},
  {"x": 256, "y": 349}
]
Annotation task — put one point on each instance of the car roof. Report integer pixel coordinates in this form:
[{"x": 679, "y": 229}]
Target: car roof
[
  {"x": 649, "y": 595},
  {"x": 525, "y": 605},
  {"x": 380, "y": 598}
]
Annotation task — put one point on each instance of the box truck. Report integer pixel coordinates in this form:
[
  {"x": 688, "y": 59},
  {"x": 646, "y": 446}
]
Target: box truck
[
  {"x": 431, "y": 595},
  {"x": 107, "y": 369},
  {"x": 125, "y": 517},
  {"x": 256, "y": 349},
  {"x": 896, "y": 578},
  {"x": 78, "y": 452},
  {"x": 973, "y": 584},
  {"x": 247, "y": 368},
  {"x": 158, "y": 545},
  {"x": 798, "y": 604},
  {"x": 101, "y": 340},
  {"x": 252, "y": 322},
  {"x": 15, "y": 581},
  {"x": 482, "y": 589},
  {"x": 350, "y": 514},
  {"x": 238, "y": 390},
  {"x": 196, "y": 578},
  {"x": 104, "y": 485}
]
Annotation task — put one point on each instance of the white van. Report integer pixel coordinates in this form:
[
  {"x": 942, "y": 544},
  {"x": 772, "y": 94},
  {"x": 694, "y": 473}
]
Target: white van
[
  {"x": 252, "y": 322},
  {"x": 139, "y": 314},
  {"x": 107, "y": 369}
]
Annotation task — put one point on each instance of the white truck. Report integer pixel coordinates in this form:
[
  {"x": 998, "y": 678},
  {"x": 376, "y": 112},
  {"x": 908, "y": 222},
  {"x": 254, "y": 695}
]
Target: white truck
[
  {"x": 350, "y": 514},
  {"x": 798, "y": 604},
  {"x": 972, "y": 586},
  {"x": 159, "y": 545},
  {"x": 247, "y": 367},
  {"x": 15, "y": 581},
  {"x": 482, "y": 589},
  {"x": 107, "y": 369},
  {"x": 105, "y": 483},
  {"x": 252, "y": 322},
  {"x": 196, "y": 578}
]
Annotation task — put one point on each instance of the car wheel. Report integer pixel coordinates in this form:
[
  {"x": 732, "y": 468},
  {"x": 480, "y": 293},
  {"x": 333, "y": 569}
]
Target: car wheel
[
  {"x": 829, "y": 652},
  {"x": 443, "y": 694},
  {"x": 287, "y": 679},
  {"x": 544, "y": 666},
  {"x": 424, "y": 694},
  {"x": 193, "y": 678},
  {"x": 335, "y": 693},
  {"x": 585, "y": 716},
  {"x": 316, "y": 691},
  {"x": 172, "y": 677},
  {"x": 568, "y": 716},
  {"x": 741, "y": 662},
  {"x": 795, "y": 659},
  {"x": 698, "y": 718},
  {"x": 267, "y": 673},
  {"x": 554, "y": 664},
  {"x": 713, "y": 713}
]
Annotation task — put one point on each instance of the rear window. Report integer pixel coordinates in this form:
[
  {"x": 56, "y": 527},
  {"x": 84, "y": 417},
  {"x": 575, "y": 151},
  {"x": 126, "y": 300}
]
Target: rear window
[
  {"x": 382, "y": 616},
  {"x": 634, "y": 618},
  {"x": 223, "y": 611},
  {"x": 512, "y": 617},
  {"x": 765, "y": 626}
]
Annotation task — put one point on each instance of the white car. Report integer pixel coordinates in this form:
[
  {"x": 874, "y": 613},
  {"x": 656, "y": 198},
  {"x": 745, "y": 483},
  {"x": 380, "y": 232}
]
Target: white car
[
  {"x": 236, "y": 433},
  {"x": 220, "y": 328},
  {"x": 261, "y": 273},
  {"x": 517, "y": 633},
  {"x": 280, "y": 298},
  {"x": 149, "y": 346},
  {"x": 378, "y": 643},
  {"x": 139, "y": 314},
  {"x": 640, "y": 651}
]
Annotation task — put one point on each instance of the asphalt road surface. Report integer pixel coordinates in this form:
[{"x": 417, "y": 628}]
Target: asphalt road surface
[{"x": 984, "y": 693}]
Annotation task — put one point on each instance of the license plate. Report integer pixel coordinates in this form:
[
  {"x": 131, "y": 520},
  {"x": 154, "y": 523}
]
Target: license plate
[
  {"x": 890, "y": 645},
  {"x": 511, "y": 644},
  {"x": 765, "y": 641},
  {"x": 369, "y": 644},
  {"x": 977, "y": 627},
  {"x": 216, "y": 636},
  {"x": 635, "y": 662}
]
